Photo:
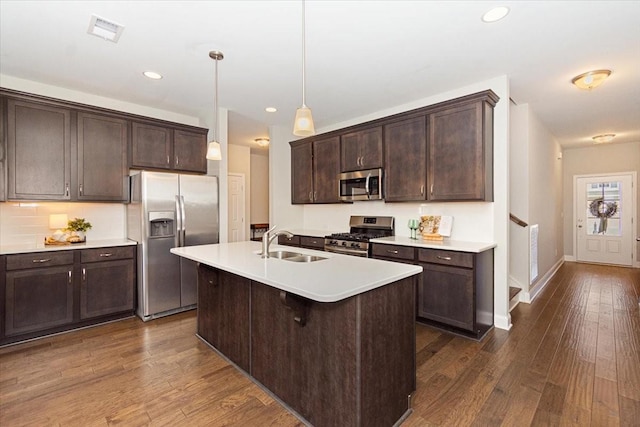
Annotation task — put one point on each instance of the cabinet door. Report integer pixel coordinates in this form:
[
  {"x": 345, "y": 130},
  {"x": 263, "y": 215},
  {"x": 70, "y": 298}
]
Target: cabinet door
[
  {"x": 38, "y": 299},
  {"x": 457, "y": 155},
  {"x": 446, "y": 295},
  {"x": 189, "y": 151},
  {"x": 326, "y": 167},
  {"x": 223, "y": 320},
  {"x": 361, "y": 149},
  {"x": 405, "y": 160},
  {"x": 150, "y": 146},
  {"x": 302, "y": 173},
  {"x": 3, "y": 152},
  {"x": 102, "y": 158},
  {"x": 38, "y": 151},
  {"x": 106, "y": 288}
]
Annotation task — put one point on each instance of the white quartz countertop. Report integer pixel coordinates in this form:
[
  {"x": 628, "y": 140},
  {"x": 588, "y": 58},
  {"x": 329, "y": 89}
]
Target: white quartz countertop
[
  {"x": 40, "y": 247},
  {"x": 329, "y": 280},
  {"x": 448, "y": 245}
]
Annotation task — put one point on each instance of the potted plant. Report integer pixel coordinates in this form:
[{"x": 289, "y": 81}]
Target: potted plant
[{"x": 77, "y": 227}]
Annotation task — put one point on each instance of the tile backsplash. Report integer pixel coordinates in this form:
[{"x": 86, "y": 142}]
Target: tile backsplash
[{"x": 29, "y": 222}]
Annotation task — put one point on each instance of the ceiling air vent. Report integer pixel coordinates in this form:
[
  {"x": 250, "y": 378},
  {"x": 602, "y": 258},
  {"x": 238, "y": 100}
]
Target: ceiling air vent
[{"x": 104, "y": 29}]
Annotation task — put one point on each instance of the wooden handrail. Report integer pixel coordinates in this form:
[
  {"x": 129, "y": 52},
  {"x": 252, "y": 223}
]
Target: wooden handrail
[{"x": 517, "y": 220}]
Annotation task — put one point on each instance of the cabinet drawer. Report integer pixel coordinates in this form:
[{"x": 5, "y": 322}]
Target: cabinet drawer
[
  {"x": 406, "y": 253},
  {"x": 312, "y": 242},
  {"x": 39, "y": 259},
  {"x": 436, "y": 256},
  {"x": 107, "y": 254},
  {"x": 292, "y": 241}
]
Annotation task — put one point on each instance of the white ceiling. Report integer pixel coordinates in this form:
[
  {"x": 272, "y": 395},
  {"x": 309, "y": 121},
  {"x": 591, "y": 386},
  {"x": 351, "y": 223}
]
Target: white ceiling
[{"x": 362, "y": 57}]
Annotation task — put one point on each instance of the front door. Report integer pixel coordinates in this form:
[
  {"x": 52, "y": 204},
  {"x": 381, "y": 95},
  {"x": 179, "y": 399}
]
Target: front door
[{"x": 604, "y": 219}]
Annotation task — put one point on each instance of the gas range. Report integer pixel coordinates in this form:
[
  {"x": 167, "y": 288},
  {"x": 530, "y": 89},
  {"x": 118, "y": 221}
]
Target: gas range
[{"x": 362, "y": 229}]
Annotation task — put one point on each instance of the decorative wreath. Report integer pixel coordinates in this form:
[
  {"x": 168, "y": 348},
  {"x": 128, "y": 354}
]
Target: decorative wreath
[{"x": 602, "y": 209}]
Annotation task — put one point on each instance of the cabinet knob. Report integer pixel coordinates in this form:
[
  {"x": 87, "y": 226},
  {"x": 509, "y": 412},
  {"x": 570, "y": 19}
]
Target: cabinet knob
[
  {"x": 66, "y": 189},
  {"x": 81, "y": 189},
  {"x": 392, "y": 252},
  {"x": 40, "y": 261},
  {"x": 106, "y": 254},
  {"x": 84, "y": 274},
  {"x": 177, "y": 161},
  {"x": 70, "y": 281}
]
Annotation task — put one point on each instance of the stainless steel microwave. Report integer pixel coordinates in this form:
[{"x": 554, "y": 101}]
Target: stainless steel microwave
[{"x": 360, "y": 185}]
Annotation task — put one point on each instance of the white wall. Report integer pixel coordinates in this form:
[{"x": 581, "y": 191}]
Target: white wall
[
  {"x": 485, "y": 222},
  {"x": 259, "y": 189},
  {"x": 602, "y": 158},
  {"x": 240, "y": 162}
]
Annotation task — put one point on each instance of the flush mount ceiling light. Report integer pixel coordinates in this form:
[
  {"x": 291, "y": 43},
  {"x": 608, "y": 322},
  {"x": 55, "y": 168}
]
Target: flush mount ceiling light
[
  {"x": 303, "y": 123},
  {"x": 604, "y": 138},
  {"x": 152, "y": 75},
  {"x": 590, "y": 79},
  {"x": 271, "y": 109},
  {"x": 214, "y": 151},
  {"x": 105, "y": 29},
  {"x": 495, "y": 14},
  {"x": 262, "y": 142}
]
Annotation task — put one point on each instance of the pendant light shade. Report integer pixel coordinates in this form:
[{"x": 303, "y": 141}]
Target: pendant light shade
[
  {"x": 303, "y": 123},
  {"x": 214, "y": 151}
]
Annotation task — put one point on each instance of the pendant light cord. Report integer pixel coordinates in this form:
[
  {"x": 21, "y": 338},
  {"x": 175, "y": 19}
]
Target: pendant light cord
[
  {"x": 303, "y": 57},
  {"x": 215, "y": 102}
]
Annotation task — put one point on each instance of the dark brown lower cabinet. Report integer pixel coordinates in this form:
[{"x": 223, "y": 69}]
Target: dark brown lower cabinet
[
  {"x": 38, "y": 299},
  {"x": 348, "y": 363},
  {"x": 49, "y": 292},
  {"x": 223, "y": 313}
]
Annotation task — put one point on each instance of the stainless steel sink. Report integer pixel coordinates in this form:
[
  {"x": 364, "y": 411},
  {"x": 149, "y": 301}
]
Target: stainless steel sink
[
  {"x": 283, "y": 254},
  {"x": 294, "y": 256},
  {"x": 305, "y": 258}
]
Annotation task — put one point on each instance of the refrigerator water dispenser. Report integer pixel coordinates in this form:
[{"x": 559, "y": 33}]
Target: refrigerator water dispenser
[{"x": 161, "y": 224}]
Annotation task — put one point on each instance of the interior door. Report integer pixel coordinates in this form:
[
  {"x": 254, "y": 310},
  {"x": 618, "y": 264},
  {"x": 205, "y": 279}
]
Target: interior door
[
  {"x": 236, "y": 208},
  {"x": 604, "y": 219}
]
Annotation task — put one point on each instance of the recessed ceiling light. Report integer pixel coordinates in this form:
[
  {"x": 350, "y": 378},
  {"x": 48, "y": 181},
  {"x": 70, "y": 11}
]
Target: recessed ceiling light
[
  {"x": 495, "y": 14},
  {"x": 105, "y": 29},
  {"x": 262, "y": 142},
  {"x": 152, "y": 75},
  {"x": 271, "y": 109},
  {"x": 591, "y": 79},
  {"x": 603, "y": 139}
]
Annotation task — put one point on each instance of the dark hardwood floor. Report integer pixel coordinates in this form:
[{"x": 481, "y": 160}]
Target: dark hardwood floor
[{"x": 571, "y": 358}]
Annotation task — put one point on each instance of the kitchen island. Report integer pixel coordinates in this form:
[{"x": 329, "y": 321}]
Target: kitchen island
[{"x": 333, "y": 339}]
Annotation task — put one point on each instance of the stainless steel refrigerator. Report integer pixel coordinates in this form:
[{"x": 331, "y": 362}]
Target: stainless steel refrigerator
[{"x": 169, "y": 210}]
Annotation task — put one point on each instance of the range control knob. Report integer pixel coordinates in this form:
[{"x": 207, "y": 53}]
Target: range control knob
[
  {"x": 344, "y": 243},
  {"x": 355, "y": 245}
]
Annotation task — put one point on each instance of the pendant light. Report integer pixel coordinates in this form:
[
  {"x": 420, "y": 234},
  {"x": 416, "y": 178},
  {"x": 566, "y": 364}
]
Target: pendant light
[
  {"x": 303, "y": 123},
  {"x": 213, "y": 148}
]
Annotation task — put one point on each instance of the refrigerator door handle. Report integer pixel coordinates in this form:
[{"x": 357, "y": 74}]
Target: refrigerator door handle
[
  {"x": 183, "y": 220},
  {"x": 178, "y": 222}
]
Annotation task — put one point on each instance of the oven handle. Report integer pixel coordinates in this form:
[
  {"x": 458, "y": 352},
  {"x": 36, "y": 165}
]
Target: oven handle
[{"x": 346, "y": 252}]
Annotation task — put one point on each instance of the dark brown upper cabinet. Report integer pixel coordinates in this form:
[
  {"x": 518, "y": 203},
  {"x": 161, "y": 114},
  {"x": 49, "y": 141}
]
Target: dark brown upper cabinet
[
  {"x": 102, "y": 158},
  {"x": 461, "y": 153},
  {"x": 162, "y": 147},
  {"x": 361, "y": 149},
  {"x": 405, "y": 160},
  {"x": 315, "y": 165},
  {"x": 38, "y": 151}
]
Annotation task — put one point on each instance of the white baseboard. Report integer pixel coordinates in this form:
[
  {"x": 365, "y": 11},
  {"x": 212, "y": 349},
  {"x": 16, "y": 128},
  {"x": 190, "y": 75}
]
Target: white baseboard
[
  {"x": 502, "y": 322},
  {"x": 528, "y": 297},
  {"x": 570, "y": 258}
]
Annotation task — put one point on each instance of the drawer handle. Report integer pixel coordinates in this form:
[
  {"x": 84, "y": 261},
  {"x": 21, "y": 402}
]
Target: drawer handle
[
  {"x": 106, "y": 254},
  {"x": 445, "y": 258},
  {"x": 392, "y": 252},
  {"x": 40, "y": 261}
]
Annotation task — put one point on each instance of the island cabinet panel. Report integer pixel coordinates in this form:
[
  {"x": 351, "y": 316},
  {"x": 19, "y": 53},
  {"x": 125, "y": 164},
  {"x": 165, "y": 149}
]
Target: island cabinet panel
[
  {"x": 405, "y": 160},
  {"x": 460, "y": 153},
  {"x": 361, "y": 149},
  {"x": 223, "y": 313},
  {"x": 348, "y": 363},
  {"x": 103, "y": 142},
  {"x": 38, "y": 151}
]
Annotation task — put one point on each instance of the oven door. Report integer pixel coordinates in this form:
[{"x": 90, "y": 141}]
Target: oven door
[
  {"x": 346, "y": 251},
  {"x": 360, "y": 185}
]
